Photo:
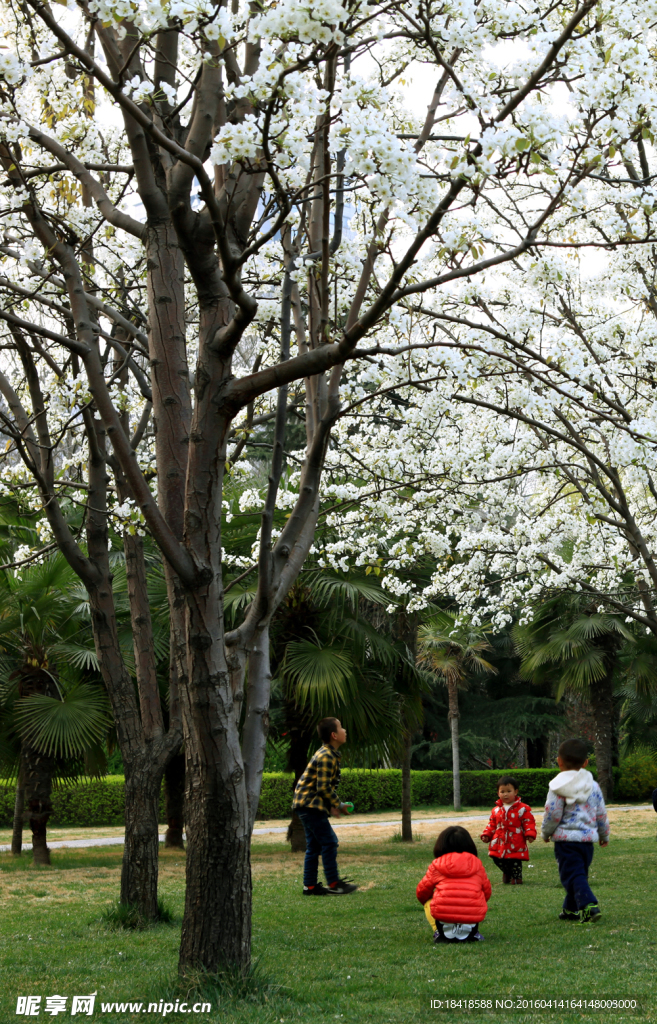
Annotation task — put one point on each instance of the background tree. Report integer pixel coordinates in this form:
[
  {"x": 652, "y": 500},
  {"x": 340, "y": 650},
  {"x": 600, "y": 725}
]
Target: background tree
[
  {"x": 52, "y": 702},
  {"x": 217, "y": 231},
  {"x": 574, "y": 647},
  {"x": 453, "y": 648}
]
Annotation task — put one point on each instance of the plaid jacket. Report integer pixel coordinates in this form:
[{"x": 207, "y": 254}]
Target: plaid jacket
[{"x": 317, "y": 786}]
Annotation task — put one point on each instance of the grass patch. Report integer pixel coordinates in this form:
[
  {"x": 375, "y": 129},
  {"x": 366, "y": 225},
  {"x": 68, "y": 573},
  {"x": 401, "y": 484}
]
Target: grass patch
[
  {"x": 397, "y": 837},
  {"x": 365, "y": 959},
  {"x": 129, "y": 916},
  {"x": 228, "y": 986}
]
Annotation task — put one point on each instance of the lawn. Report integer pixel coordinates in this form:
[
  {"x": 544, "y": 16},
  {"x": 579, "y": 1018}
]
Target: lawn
[{"x": 366, "y": 957}]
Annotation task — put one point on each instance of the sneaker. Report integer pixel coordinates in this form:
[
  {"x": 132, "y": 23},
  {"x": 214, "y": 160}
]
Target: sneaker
[
  {"x": 516, "y": 881},
  {"x": 315, "y": 890},
  {"x": 591, "y": 913},
  {"x": 478, "y": 937},
  {"x": 569, "y": 915},
  {"x": 341, "y": 888}
]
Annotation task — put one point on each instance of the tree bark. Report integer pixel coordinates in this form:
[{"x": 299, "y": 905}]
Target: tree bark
[
  {"x": 38, "y": 772},
  {"x": 407, "y": 828},
  {"x": 602, "y": 706},
  {"x": 174, "y": 801},
  {"x": 140, "y": 852},
  {"x": 296, "y": 834},
  {"x": 453, "y": 717},
  {"x": 298, "y": 727},
  {"x": 216, "y": 930},
  {"x": 19, "y": 805}
]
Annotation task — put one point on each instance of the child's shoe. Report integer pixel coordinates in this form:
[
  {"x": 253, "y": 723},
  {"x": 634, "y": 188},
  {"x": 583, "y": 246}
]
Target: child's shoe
[
  {"x": 506, "y": 879},
  {"x": 569, "y": 915},
  {"x": 591, "y": 913},
  {"x": 516, "y": 881},
  {"x": 315, "y": 890}
]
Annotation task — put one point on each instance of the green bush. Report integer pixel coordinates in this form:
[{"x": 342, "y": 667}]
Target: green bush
[
  {"x": 99, "y": 804},
  {"x": 380, "y": 789},
  {"x": 89, "y": 804},
  {"x": 637, "y": 778}
]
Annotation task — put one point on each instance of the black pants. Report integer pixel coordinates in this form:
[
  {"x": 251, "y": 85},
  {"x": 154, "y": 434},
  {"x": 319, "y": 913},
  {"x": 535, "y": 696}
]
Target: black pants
[{"x": 509, "y": 866}]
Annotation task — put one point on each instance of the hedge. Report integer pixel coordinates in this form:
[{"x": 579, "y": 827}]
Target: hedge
[
  {"x": 88, "y": 804},
  {"x": 98, "y": 804},
  {"x": 380, "y": 790}
]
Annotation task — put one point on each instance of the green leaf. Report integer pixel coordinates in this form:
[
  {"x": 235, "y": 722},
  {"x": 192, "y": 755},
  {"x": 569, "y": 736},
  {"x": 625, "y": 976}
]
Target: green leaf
[{"x": 64, "y": 727}]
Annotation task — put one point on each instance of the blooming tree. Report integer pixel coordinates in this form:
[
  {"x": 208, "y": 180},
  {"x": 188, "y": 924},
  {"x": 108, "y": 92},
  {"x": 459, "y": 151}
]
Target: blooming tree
[{"x": 214, "y": 218}]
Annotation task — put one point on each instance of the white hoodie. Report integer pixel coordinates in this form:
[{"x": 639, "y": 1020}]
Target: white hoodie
[
  {"x": 575, "y": 810},
  {"x": 575, "y": 787}
]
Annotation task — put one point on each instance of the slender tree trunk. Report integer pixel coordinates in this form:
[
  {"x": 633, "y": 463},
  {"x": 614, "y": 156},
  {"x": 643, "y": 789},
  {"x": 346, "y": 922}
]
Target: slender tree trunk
[
  {"x": 407, "y": 828},
  {"x": 19, "y": 805},
  {"x": 602, "y": 705},
  {"x": 174, "y": 801},
  {"x": 453, "y": 716},
  {"x": 141, "y": 849},
  {"x": 38, "y": 769},
  {"x": 298, "y": 729},
  {"x": 296, "y": 834}
]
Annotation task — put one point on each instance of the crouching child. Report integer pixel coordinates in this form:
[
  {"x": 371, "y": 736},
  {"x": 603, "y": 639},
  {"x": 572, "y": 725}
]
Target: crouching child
[{"x": 455, "y": 890}]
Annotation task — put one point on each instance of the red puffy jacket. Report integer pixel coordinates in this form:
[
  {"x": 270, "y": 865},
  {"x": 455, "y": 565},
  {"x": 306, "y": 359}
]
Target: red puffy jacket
[
  {"x": 508, "y": 830},
  {"x": 459, "y": 886}
]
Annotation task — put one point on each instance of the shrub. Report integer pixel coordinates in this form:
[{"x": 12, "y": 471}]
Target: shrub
[
  {"x": 97, "y": 804},
  {"x": 637, "y": 778}
]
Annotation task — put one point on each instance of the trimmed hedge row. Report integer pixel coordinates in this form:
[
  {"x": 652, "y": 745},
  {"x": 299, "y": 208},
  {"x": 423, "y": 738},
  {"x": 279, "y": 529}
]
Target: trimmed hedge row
[
  {"x": 86, "y": 805},
  {"x": 98, "y": 804},
  {"x": 380, "y": 790}
]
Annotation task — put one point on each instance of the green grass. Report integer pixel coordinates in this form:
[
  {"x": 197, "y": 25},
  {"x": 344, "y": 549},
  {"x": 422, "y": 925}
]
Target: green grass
[{"x": 363, "y": 958}]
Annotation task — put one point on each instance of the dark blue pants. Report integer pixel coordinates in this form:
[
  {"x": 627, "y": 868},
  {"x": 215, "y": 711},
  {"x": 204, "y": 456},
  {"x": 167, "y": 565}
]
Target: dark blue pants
[
  {"x": 320, "y": 838},
  {"x": 574, "y": 860}
]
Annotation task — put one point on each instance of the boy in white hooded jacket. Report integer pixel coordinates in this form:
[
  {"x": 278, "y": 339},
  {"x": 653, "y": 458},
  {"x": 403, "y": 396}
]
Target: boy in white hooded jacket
[{"x": 575, "y": 818}]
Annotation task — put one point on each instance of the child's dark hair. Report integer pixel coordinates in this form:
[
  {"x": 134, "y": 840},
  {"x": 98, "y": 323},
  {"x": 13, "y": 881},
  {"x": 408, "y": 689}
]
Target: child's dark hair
[
  {"x": 454, "y": 839},
  {"x": 326, "y": 728},
  {"x": 508, "y": 780},
  {"x": 573, "y": 753}
]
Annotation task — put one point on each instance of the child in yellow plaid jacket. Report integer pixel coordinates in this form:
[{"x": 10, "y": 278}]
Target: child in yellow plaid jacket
[{"x": 315, "y": 797}]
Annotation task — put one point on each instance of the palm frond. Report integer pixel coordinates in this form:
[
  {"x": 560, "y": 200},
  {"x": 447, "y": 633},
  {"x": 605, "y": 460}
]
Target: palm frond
[
  {"x": 320, "y": 673},
  {"x": 64, "y": 727}
]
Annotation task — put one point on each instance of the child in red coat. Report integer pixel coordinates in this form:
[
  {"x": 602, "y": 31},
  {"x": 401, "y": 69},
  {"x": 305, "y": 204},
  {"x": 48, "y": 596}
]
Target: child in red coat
[
  {"x": 510, "y": 828},
  {"x": 455, "y": 890}
]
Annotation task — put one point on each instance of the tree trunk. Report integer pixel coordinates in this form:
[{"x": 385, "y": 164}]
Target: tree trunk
[
  {"x": 298, "y": 728},
  {"x": 296, "y": 835},
  {"x": 407, "y": 828},
  {"x": 453, "y": 717},
  {"x": 174, "y": 802},
  {"x": 38, "y": 772},
  {"x": 17, "y": 834},
  {"x": 216, "y": 929},
  {"x": 602, "y": 706},
  {"x": 141, "y": 849}
]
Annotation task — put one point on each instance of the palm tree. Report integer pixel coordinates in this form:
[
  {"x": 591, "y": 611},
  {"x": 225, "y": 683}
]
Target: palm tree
[
  {"x": 576, "y": 648},
  {"x": 452, "y": 648},
  {"x": 52, "y": 705}
]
